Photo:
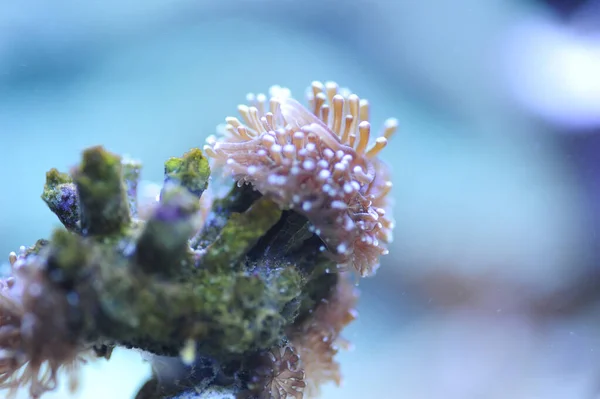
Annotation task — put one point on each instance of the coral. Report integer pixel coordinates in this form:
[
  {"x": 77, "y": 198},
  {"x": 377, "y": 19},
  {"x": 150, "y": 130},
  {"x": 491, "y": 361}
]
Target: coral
[
  {"x": 276, "y": 375},
  {"x": 103, "y": 205},
  {"x": 235, "y": 294},
  {"x": 38, "y": 331},
  {"x": 191, "y": 171},
  {"x": 60, "y": 194},
  {"x": 317, "y": 162},
  {"x": 318, "y": 339}
]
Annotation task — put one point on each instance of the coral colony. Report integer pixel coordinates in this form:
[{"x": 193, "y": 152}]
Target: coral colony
[{"x": 243, "y": 294}]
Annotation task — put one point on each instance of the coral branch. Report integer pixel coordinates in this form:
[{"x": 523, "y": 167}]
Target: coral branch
[
  {"x": 191, "y": 171},
  {"x": 104, "y": 206},
  {"x": 237, "y": 200},
  {"x": 241, "y": 232},
  {"x": 163, "y": 245},
  {"x": 60, "y": 194}
]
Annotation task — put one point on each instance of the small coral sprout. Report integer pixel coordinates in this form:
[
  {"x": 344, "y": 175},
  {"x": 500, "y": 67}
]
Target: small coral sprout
[{"x": 319, "y": 161}]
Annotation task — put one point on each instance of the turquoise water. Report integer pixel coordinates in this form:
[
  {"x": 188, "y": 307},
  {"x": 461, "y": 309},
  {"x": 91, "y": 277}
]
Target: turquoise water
[{"x": 481, "y": 191}]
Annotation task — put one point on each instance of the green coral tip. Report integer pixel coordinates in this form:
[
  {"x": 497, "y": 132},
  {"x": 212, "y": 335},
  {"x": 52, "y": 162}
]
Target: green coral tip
[
  {"x": 54, "y": 178},
  {"x": 191, "y": 171}
]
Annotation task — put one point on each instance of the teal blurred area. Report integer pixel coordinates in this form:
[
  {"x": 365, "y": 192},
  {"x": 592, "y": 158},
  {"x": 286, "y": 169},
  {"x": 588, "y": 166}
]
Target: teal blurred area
[{"x": 488, "y": 289}]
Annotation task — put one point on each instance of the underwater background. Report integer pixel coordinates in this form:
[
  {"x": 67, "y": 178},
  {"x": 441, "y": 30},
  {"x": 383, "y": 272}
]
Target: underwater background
[{"x": 491, "y": 286}]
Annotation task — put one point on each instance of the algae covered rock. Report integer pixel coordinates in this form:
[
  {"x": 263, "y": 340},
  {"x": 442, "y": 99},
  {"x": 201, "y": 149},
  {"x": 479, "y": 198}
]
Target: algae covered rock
[{"x": 242, "y": 295}]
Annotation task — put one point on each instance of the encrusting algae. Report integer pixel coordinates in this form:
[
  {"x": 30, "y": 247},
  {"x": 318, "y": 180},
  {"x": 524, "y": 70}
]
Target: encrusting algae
[{"x": 245, "y": 294}]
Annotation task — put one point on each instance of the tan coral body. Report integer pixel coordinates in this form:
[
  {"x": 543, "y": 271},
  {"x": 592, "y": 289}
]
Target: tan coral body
[
  {"x": 319, "y": 340},
  {"x": 317, "y": 161},
  {"x": 34, "y": 343}
]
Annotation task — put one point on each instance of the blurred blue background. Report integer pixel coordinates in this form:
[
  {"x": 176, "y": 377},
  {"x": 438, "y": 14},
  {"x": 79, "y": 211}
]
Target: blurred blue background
[{"x": 491, "y": 287}]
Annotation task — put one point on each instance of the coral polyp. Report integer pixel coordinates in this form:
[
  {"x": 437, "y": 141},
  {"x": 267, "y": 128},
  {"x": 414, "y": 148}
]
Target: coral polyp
[{"x": 319, "y": 161}]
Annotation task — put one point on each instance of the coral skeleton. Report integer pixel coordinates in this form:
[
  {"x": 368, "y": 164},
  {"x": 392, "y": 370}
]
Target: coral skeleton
[{"x": 236, "y": 294}]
